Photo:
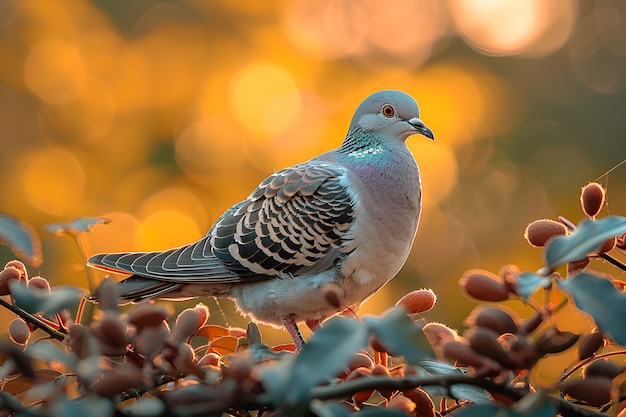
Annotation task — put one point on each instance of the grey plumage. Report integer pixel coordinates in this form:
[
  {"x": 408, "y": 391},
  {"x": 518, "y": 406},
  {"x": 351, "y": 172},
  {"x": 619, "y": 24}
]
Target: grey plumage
[{"x": 346, "y": 217}]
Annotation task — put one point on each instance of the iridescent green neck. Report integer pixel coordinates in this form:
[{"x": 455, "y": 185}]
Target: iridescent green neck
[{"x": 360, "y": 144}]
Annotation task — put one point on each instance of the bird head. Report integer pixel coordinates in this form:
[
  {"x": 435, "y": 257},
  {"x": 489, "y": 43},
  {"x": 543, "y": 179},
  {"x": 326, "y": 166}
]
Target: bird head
[{"x": 390, "y": 113}]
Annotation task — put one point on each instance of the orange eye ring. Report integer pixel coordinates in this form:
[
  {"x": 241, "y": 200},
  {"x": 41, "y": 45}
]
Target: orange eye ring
[{"x": 387, "y": 110}]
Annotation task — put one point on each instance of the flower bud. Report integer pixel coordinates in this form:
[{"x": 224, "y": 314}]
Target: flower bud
[
  {"x": 483, "y": 285},
  {"x": 19, "y": 331},
  {"x": 108, "y": 295},
  {"x": 403, "y": 404},
  {"x": 39, "y": 284},
  {"x": 439, "y": 334},
  {"x": 592, "y": 199},
  {"x": 494, "y": 318},
  {"x": 424, "y": 406},
  {"x": 552, "y": 340},
  {"x": 7, "y": 275},
  {"x": 594, "y": 390},
  {"x": 485, "y": 342},
  {"x": 148, "y": 315},
  {"x": 538, "y": 232},
  {"x": 418, "y": 301},
  {"x": 187, "y": 322},
  {"x": 602, "y": 367},
  {"x": 19, "y": 266},
  {"x": 590, "y": 344}
]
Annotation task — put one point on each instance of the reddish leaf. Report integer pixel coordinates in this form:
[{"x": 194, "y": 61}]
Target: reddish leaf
[
  {"x": 212, "y": 332},
  {"x": 224, "y": 345}
]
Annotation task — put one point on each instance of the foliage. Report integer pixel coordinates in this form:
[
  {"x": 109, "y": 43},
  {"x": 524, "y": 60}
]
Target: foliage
[{"x": 147, "y": 361}]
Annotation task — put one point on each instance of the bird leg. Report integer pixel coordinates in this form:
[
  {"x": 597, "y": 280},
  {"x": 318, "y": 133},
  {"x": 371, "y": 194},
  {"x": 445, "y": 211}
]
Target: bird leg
[{"x": 294, "y": 332}]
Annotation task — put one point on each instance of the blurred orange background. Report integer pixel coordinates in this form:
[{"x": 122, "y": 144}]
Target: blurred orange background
[{"x": 160, "y": 115}]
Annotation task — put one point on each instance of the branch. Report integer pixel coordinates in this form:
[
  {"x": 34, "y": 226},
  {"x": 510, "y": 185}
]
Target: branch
[
  {"x": 349, "y": 388},
  {"x": 33, "y": 320},
  {"x": 612, "y": 260}
]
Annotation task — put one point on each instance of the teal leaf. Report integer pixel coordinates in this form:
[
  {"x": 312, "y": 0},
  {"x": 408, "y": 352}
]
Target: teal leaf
[
  {"x": 329, "y": 409},
  {"x": 456, "y": 391},
  {"x": 91, "y": 406},
  {"x": 289, "y": 380},
  {"x": 597, "y": 297},
  {"x": 61, "y": 298},
  {"x": 532, "y": 405},
  {"x": 480, "y": 410},
  {"x": 527, "y": 283},
  {"x": 76, "y": 226},
  {"x": 49, "y": 352},
  {"x": 587, "y": 238},
  {"x": 275, "y": 377},
  {"x": 21, "y": 238},
  {"x": 144, "y": 407},
  {"x": 398, "y": 333},
  {"x": 325, "y": 355},
  {"x": 46, "y": 303},
  {"x": 262, "y": 353},
  {"x": 253, "y": 334}
]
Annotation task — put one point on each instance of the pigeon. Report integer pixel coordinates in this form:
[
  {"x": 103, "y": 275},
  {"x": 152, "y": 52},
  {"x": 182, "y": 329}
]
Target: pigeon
[{"x": 344, "y": 220}]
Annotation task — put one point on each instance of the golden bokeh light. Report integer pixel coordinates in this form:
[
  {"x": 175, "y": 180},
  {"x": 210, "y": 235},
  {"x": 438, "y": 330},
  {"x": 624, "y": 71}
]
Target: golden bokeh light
[
  {"x": 446, "y": 243},
  {"x": 460, "y": 102},
  {"x": 407, "y": 29},
  {"x": 53, "y": 180},
  {"x": 324, "y": 28},
  {"x": 264, "y": 99},
  {"x": 85, "y": 118},
  {"x": 532, "y": 27},
  {"x": 438, "y": 166},
  {"x": 161, "y": 115},
  {"x": 175, "y": 199},
  {"x": 210, "y": 149},
  {"x": 164, "y": 229},
  {"x": 123, "y": 233},
  {"x": 55, "y": 71}
]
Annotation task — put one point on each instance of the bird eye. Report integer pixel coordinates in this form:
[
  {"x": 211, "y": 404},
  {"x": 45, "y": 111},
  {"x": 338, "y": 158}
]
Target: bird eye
[{"x": 387, "y": 110}]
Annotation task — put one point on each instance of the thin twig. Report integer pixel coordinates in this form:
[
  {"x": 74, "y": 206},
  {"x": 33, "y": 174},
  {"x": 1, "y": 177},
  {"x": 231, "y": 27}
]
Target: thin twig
[
  {"x": 610, "y": 170},
  {"x": 33, "y": 320},
  {"x": 612, "y": 260}
]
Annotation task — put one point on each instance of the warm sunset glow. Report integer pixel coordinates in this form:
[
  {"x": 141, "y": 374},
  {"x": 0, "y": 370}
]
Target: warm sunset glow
[
  {"x": 55, "y": 71},
  {"x": 160, "y": 115},
  {"x": 53, "y": 180},
  {"x": 440, "y": 163},
  {"x": 514, "y": 27},
  {"x": 175, "y": 199},
  {"x": 168, "y": 228},
  {"x": 365, "y": 29},
  {"x": 264, "y": 99},
  {"x": 108, "y": 238},
  {"x": 210, "y": 148}
]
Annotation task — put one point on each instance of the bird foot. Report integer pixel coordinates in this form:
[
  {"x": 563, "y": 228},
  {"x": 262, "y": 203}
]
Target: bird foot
[{"x": 294, "y": 332}]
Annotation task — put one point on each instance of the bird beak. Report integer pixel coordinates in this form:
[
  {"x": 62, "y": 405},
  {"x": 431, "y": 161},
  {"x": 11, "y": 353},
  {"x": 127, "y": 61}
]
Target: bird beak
[{"x": 421, "y": 128}]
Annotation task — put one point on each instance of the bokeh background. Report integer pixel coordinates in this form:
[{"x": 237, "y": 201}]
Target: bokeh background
[{"x": 161, "y": 114}]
